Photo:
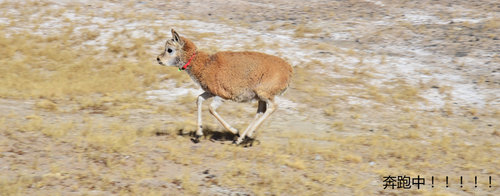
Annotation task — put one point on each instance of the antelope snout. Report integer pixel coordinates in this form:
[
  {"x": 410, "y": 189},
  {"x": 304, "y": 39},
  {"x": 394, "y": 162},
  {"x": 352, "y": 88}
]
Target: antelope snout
[{"x": 159, "y": 60}]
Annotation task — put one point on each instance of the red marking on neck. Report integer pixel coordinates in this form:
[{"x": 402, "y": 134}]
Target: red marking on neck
[{"x": 189, "y": 62}]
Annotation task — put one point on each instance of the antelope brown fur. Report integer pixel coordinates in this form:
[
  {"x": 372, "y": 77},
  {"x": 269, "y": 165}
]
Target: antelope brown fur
[{"x": 236, "y": 76}]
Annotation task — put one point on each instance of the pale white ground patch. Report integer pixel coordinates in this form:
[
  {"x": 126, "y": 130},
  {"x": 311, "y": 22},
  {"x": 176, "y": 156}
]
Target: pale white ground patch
[{"x": 169, "y": 92}]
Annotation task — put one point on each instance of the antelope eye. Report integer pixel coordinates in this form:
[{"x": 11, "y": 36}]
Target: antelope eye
[{"x": 169, "y": 50}]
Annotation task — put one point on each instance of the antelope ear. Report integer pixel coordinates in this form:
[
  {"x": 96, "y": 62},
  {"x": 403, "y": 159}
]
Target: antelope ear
[{"x": 177, "y": 38}]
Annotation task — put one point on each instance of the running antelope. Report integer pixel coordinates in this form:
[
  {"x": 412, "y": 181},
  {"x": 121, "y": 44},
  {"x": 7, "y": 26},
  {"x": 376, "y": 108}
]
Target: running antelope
[{"x": 236, "y": 76}]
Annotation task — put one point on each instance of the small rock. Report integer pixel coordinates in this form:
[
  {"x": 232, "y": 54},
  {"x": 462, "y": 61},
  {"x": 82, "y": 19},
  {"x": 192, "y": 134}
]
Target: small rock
[
  {"x": 318, "y": 158},
  {"x": 206, "y": 171},
  {"x": 475, "y": 118},
  {"x": 460, "y": 54},
  {"x": 323, "y": 52}
]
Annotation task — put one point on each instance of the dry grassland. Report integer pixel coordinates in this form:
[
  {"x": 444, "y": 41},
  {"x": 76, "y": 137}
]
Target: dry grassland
[{"x": 380, "y": 88}]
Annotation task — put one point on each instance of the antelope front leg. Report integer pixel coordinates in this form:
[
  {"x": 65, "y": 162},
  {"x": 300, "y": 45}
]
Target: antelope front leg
[{"x": 199, "y": 131}]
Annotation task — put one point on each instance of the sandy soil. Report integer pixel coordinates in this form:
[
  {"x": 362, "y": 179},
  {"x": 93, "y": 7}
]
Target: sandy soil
[{"x": 381, "y": 88}]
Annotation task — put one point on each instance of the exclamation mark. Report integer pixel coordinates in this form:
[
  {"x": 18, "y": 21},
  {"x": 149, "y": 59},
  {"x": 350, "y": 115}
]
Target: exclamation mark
[
  {"x": 475, "y": 181},
  {"x": 446, "y": 181},
  {"x": 490, "y": 181},
  {"x": 461, "y": 182},
  {"x": 432, "y": 181}
]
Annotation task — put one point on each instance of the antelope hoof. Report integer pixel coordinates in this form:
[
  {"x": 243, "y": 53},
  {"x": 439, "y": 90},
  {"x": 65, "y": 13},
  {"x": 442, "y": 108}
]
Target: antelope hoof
[
  {"x": 236, "y": 136},
  {"x": 235, "y": 131},
  {"x": 196, "y": 139},
  {"x": 238, "y": 141},
  {"x": 246, "y": 142}
]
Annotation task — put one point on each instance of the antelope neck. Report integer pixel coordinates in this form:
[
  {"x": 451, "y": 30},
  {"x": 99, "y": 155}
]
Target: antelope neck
[{"x": 189, "y": 62}]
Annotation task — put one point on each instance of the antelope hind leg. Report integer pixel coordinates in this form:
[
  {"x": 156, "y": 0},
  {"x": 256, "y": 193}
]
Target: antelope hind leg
[{"x": 268, "y": 108}]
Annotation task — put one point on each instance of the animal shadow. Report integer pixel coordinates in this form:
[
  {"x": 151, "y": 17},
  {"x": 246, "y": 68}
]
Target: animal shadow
[
  {"x": 217, "y": 136},
  {"x": 210, "y": 134}
]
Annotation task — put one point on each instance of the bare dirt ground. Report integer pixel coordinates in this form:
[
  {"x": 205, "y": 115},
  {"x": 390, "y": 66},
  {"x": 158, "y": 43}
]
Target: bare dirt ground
[{"x": 381, "y": 88}]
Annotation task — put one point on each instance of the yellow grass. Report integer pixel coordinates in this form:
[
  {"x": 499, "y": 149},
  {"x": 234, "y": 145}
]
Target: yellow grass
[{"x": 76, "y": 119}]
